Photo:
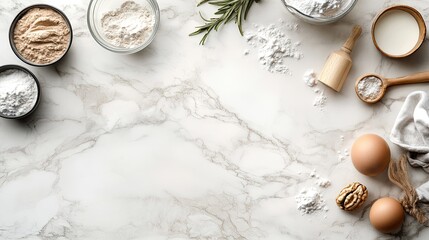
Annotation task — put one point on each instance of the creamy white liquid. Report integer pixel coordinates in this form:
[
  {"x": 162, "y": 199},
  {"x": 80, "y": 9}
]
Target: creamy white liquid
[{"x": 396, "y": 32}]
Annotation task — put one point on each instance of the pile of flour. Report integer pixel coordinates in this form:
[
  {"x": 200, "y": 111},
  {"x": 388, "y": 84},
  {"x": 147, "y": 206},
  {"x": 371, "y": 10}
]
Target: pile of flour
[
  {"x": 129, "y": 26},
  {"x": 320, "y": 8},
  {"x": 310, "y": 199},
  {"x": 274, "y": 47}
]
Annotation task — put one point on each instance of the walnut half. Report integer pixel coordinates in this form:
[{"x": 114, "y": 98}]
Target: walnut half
[{"x": 352, "y": 196}]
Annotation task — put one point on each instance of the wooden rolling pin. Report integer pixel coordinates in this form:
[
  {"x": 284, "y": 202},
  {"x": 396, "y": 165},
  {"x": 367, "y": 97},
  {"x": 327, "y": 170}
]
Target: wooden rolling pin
[{"x": 338, "y": 64}]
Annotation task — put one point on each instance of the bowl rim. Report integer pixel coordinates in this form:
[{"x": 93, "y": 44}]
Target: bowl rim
[
  {"x": 106, "y": 45},
  {"x": 320, "y": 21},
  {"x": 415, "y": 14},
  {"x": 19, "y": 16},
  {"x": 39, "y": 92}
]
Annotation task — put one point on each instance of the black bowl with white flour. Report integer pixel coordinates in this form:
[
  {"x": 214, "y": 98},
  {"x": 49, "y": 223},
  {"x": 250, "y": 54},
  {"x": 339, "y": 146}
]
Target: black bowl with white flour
[
  {"x": 123, "y": 26},
  {"x": 19, "y": 92}
]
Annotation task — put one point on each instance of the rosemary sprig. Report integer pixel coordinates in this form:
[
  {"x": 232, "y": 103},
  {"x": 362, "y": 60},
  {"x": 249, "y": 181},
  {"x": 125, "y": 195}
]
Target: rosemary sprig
[{"x": 228, "y": 10}]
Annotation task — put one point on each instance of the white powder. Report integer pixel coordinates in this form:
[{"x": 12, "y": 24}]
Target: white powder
[
  {"x": 310, "y": 200},
  {"x": 129, "y": 26},
  {"x": 342, "y": 155},
  {"x": 273, "y": 48},
  {"x": 323, "y": 182},
  {"x": 18, "y": 93},
  {"x": 320, "y": 8},
  {"x": 310, "y": 78},
  {"x": 369, "y": 88},
  {"x": 320, "y": 100}
]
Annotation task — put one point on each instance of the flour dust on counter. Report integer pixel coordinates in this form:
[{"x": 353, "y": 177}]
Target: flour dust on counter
[
  {"x": 320, "y": 100},
  {"x": 320, "y": 181},
  {"x": 274, "y": 47},
  {"x": 344, "y": 153},
  {"x": 310, "y": 80}
]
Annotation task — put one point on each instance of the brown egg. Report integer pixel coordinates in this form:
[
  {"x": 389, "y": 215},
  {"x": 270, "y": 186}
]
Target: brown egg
[
  {"x": 370, "y": 154},
  {"x": 386, "y": 215}
]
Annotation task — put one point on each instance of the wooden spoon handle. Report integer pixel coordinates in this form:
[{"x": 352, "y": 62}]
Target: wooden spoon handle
[
  {"x": 350, "y": 43},
  {"x": 415, "y": 78}
]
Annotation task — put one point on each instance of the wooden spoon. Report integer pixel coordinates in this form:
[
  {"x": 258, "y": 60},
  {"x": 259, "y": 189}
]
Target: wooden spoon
[{"x": 387, "y": 82}]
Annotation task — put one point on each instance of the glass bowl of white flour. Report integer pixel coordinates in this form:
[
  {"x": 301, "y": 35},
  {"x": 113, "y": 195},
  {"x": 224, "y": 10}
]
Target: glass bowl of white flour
[
  {"x": 319, "y": 11},
  {"x": 123, "y": 26}
]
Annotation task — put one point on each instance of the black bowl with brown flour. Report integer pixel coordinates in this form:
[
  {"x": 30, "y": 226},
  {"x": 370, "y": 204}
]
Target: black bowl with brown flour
[{"x": 40, "y": 35}]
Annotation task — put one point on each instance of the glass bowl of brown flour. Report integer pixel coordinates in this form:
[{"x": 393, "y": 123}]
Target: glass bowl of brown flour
[
  {"x": 40, "y": 35},
  {"x": 124, "y": 27}
]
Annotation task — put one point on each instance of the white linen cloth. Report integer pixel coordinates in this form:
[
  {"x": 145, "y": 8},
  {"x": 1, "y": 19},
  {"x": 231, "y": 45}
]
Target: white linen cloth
[{"x": 411, "y": 132}]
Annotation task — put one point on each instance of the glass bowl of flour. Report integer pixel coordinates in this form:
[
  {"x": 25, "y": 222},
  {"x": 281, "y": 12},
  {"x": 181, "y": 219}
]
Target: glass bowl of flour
[
  {"x": 123, "y": 26},
  {"x": 319, "y": 11}
]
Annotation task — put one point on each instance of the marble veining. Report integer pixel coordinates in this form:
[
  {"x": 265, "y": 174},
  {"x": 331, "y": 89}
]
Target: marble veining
[{"x": 182, "y": 141}]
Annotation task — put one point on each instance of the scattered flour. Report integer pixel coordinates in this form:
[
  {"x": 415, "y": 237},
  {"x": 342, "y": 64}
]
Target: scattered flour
[
  {"x": 310, "y": 79},
  {"x": 273, "y": 47},
  {"x": 323, "y": 182},
  {"x": 310, "y": 200},
  {"x": 320, "y": 8},
  {"x": 342, "y": 155},
  {"x": 320, "y": 100},
  {"x": 369, "y": 88}
]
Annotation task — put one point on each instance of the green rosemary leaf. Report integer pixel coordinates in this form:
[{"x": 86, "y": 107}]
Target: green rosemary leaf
[
  {"x": 202, "y": 2},
  {"x": 240, "y": 13},
  {"x": 223, "y": 2},
  {"x": 199, "y": 31},
  {"x": 205, "y": 20},
  {"x": 227, "y": 11},
  {"x": 248, "y": 6}
]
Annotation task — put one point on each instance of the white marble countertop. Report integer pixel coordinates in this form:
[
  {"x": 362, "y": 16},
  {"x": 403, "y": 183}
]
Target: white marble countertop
[{"x": 182, "y": 141}]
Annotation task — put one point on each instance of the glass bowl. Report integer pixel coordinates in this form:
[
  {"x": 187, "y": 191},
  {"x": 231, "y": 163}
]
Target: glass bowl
[
  {"x": 96, "y": 10},
  {"x": 323, "y": 19}
]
